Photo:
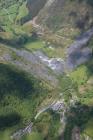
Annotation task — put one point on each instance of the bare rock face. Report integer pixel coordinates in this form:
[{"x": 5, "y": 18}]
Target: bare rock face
[
  {"x": 1, "y": 29},
  {"x": 34, "y": 6},
  {"x": 34, "y": 65},
  {"x": 49, "y": 3},
  {"x": 58, "y": 13},
  {"x": 56, "y": 64},
  {"x": 76, "y": 133},
  {"x": 17, "y": 135},
  {"x": 81, "y": 41},
  {"x": 78, "y": 53},
  {"x": 78, "y": 57},
  {"x": 59, "y": 105}
]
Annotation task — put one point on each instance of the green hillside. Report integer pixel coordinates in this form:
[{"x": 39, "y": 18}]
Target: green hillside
[{"x": 46, "y": 69}]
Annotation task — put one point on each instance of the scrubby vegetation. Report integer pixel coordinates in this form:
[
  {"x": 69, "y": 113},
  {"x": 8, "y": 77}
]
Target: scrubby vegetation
[
  {"x": 78, "y": 116},
  {"x": 21, "y": 94},
  {"x": 33, "y": 136},
  {"x": 18, "y": 95},
  {"x": 48, "y": 124}
]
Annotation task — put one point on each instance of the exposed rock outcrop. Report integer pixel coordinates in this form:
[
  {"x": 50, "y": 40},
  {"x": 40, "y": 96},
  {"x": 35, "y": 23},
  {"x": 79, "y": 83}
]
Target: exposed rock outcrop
[
  {"x": 78, "y": 53},
  {"x": 76, "y": 133},
  {"x": 17, "y": 135}
]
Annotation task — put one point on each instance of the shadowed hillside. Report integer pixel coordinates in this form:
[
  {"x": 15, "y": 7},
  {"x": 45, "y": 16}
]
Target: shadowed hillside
[{"x": 46, "y": 69}]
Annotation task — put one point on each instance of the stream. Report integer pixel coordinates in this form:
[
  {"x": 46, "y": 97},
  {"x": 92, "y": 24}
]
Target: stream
[{"x": 77, "y": 54}]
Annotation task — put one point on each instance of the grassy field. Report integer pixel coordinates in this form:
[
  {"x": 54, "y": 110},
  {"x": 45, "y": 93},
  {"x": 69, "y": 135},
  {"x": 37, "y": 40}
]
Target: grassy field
[
  {"x": 49, "y": 49},
  {"x": 89, "y": 128},
  {"x": 34, "y": 45},
  {"x": 80, "y": 75},
  {"x": 23, "y": 11},
  {"x": 33, "y": 136}
]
